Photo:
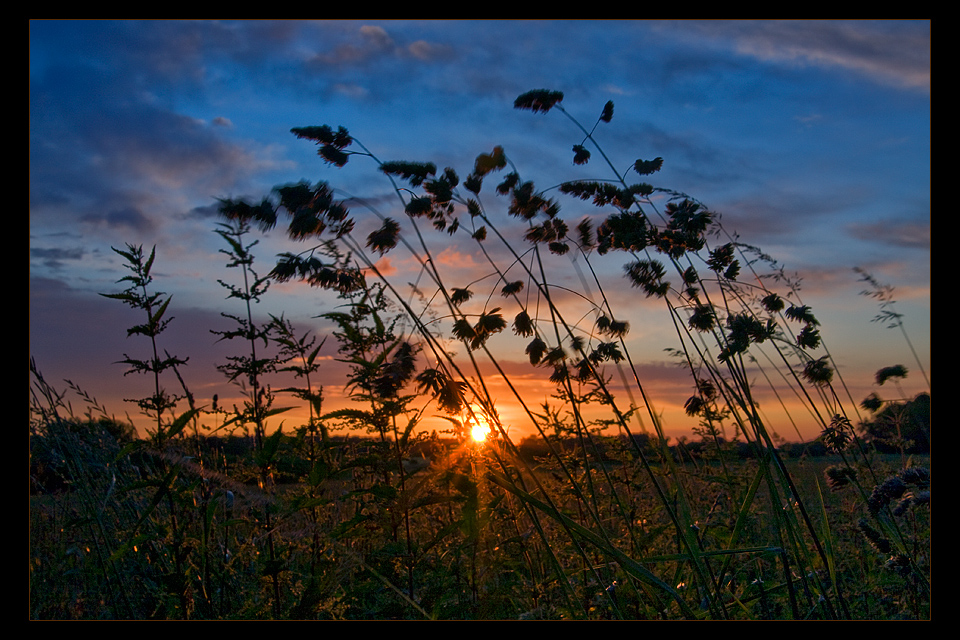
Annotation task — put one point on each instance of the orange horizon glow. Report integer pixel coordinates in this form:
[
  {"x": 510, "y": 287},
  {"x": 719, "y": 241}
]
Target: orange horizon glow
[{"x": 478, "y": 424}]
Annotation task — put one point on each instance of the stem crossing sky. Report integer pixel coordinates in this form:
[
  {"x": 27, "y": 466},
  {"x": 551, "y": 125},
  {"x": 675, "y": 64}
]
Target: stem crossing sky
[{"x": 811, "y": 138}]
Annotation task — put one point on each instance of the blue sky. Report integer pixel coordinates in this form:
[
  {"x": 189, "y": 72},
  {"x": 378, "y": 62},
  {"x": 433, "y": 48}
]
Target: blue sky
[{"x": 811, "y": 138}]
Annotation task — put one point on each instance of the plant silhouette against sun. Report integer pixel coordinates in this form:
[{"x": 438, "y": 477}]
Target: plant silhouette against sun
[
  {"x": 711, "y": 302},
  {"x": 595, "y": 515}
]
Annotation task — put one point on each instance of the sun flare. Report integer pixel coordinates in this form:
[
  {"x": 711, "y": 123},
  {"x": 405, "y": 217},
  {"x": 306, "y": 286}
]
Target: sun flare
[{"x": 478, "y": 424}]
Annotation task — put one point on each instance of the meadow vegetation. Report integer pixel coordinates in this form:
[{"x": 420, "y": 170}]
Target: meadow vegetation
[{"x": 360, "y": 513}]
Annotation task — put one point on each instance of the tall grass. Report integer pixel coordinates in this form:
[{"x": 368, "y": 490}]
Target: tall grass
[{"x": 593, "y": 517}]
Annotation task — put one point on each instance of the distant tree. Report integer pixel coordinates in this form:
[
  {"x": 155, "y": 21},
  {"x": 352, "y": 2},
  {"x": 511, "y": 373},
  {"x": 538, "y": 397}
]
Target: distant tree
[{"x": 901, "y": 426}]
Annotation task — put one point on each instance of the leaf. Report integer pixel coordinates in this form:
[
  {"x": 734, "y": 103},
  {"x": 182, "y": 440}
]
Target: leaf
[
  {"x": 414, "y": 172},
  {"x": 607, "y": 114},
  {"x": 535, "y": 350},
  {"x": 459, "y": 296},
  {"x": 577, "y": 530},
  {"x": 646, "y": 167},
  {"x": 178, "y": 425},
  {"x": 580, "y": 154},
  {"x": 538, "y": 100},
  {"x": 384, "y": 238},
  {"x": 523, "y": 325},
  {"x": 463, "y": 330},
  {"x": 271, "y": 445}
]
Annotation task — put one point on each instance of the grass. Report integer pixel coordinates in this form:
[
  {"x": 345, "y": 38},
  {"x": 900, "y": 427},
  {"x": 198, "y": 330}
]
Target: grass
[{"x": 588, "y": 519}]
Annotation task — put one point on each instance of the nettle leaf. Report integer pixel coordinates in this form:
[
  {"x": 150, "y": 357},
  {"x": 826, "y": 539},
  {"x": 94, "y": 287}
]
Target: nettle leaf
[
  {"x": 772, "y": 303},
  {"x": 459, "y": 296},
  {"x": 538, "y": 100},
  {"x": 413, "y": 172},
  {"x": 324, "y": 134},
  {"x": 581, "y": 155},
  {"x": 463, "y": 330},
  {"x": 801, "y": 314},
  {"x": 511, "y": 288},
  {"x": 487, "y": 162},
  {"x": 809, "y": 338},
  {"x": 607, "y": 114},
  {"x": 333, "y": 155},
  {"x": 648, "y": 276},
  {"x": 384, "y": 238},
  {"x": 489, "y": 323},
  {"x": 535, "y": 350},
  {"x": 646, "y": 167},
  {"x": 523, "y": 325}
]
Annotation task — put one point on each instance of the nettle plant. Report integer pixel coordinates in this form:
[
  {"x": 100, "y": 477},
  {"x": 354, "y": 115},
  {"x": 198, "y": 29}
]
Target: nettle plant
[{"x": 731, "y": 329}]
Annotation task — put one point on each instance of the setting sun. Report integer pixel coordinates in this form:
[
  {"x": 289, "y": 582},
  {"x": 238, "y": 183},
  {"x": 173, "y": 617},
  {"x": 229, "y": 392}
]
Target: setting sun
[{"x": 478, "y": 424}]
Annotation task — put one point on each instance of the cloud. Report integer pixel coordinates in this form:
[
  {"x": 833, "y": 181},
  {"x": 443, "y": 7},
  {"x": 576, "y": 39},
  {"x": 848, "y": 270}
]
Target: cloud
[
  {"x": 908, "y": 235},
  {"x": 895, "y": 53},
  {"x": 126, "y": 218},
  {"x": 57, "y": 257}
]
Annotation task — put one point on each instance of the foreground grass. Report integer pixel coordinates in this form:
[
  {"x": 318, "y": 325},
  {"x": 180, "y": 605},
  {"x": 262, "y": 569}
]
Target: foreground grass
[
  {"x": 453, "y": 541},
  {"x": 572, "y": 524}
]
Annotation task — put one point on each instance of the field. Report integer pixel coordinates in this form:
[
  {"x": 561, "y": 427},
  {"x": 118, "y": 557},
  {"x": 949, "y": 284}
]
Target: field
[
  {"x": 361, "y": 514},
  {"x": 194, "y": 535}
]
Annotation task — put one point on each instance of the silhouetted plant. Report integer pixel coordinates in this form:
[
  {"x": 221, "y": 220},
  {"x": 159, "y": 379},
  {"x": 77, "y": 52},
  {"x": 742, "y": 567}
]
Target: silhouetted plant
[
  {"x": 894, "y": 319},
  {"x": 177, "y": 498},
  {"x": 248, "y": 370},
  {"x": 597, "y": 515},
  {"x": 138, "y": 296}
]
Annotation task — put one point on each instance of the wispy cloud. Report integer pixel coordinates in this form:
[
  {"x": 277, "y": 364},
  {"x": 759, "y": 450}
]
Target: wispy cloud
[{"x": 897, "y": 53}]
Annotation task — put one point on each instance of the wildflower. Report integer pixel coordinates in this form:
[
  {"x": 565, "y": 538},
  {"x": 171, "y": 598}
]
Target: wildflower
[
  {"x": 646, "y": 167},
  {"x": 839, "y": 476},
  {"x": 413, "y": 172},
  {"x": 607, "y": 115},
  {"x": 890, "y": 489},
  {"x": 333, "y": 155},
  {"x": 772, "y": 303},
  {"x": 473, "y": 183},
  {"x": 419, "y": 206},
  {"x": 896, "y": 371},
  {"x": 874, "y": 537},
  {"x": 585, "y": 231},
  {"x": 720, "y": 258},
  {"x": 487, "y": 162},
  {"x": 702, "y": 318},
  {"x": 872, "y": 402},
  {"x": 694, "y": 405},
  {"x": 838, "y": 434},
  {"x": 808, "y": 338},
  {"x": 511, "y": 288},
  {"x": 522, "y": 325},
  {"x": 580, "y": 154},
  {"x": 538, "y": 100},
  {"x": 535, "y": 350},
  {"x": 384, "y": 238},
  {"x": 818, "y": 372},
  {"x": 459, "y": 296},
  {"x": 802, "y": 314},
  {"x": 648, "y": 274}
]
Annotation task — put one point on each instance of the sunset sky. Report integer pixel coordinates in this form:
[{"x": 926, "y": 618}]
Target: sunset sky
[{"x": 812, "y": 139}]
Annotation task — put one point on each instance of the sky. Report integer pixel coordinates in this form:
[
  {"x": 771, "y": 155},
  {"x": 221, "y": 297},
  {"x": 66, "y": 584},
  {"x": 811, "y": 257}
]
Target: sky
[{"x": 810, "y": 138}]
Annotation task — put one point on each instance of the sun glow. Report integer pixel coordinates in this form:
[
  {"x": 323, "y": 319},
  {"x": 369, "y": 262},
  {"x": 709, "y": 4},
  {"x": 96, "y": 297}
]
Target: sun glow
[{"x": 478, "y": 424}]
